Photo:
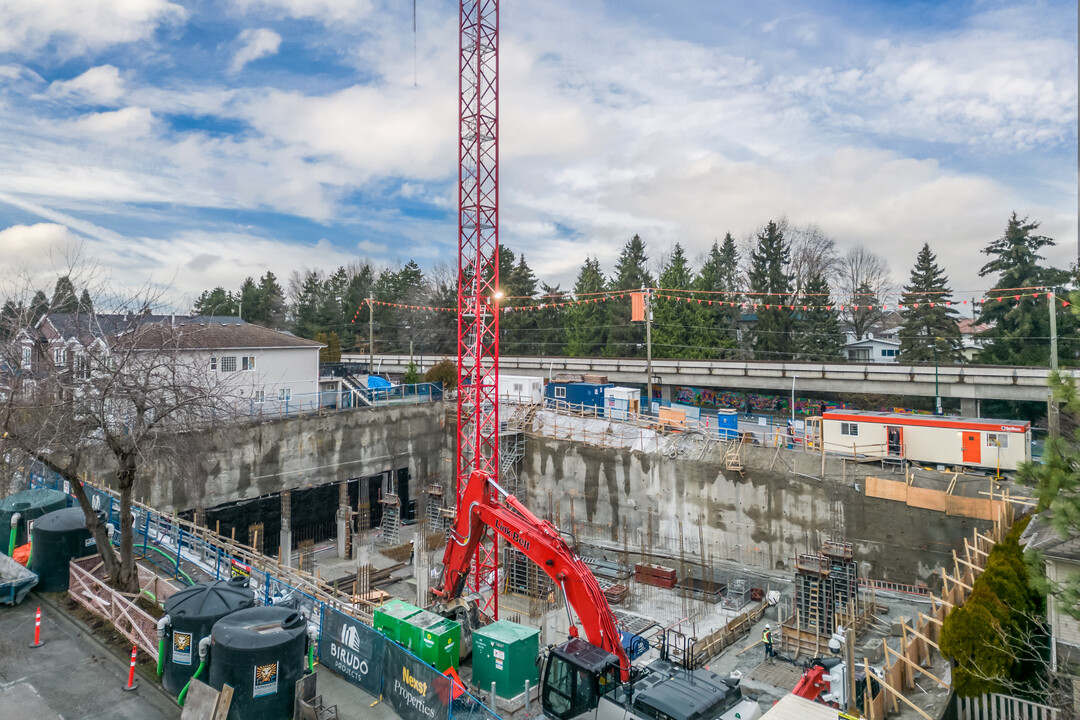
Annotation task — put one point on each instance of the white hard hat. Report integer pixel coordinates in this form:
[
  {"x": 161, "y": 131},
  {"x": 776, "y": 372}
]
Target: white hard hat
[{"x": 767, "y": 626}]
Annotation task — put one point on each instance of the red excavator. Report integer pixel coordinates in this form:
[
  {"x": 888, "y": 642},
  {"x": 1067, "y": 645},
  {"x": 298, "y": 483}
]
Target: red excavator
[{"x": 579, "y": 679}]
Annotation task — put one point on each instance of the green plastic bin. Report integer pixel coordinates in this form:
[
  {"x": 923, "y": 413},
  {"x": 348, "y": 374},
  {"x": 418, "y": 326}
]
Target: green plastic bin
[
  {"x": 391, "y": 618},
  {"x": 440, "y": 644},
  {"x": 505, "y": 653}
]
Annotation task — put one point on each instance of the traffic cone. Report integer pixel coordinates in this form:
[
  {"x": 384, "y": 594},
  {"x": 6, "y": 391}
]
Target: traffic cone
[
  {"x": 131, "y": 684},
  {"x": 37, "y": 630}
]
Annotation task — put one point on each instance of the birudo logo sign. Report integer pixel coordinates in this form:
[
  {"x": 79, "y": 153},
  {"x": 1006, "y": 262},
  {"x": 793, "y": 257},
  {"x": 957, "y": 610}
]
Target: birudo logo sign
[{"x": 181, "y": 648}]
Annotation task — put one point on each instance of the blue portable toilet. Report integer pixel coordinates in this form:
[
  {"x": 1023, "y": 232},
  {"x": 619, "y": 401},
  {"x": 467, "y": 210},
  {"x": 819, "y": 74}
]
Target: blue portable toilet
[{"x": 727, "y": 422}]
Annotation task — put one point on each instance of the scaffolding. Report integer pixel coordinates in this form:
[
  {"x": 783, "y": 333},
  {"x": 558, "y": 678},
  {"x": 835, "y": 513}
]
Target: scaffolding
[
  {"x": 843, "y": 575},
  {"x": 826, "y": 597},
  {"x": 390, "y": 529},
  {"x": 511, "y": 452}
]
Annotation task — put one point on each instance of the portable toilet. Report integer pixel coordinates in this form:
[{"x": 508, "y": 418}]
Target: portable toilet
[
  {"x": 505, "y": 653},
  {"x": 390, "y": 618},
  {"x": 728, "y": 423}
]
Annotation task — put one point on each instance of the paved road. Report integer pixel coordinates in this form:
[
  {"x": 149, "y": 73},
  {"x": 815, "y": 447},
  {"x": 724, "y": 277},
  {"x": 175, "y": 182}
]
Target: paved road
[{"x": 71, "y": 677}]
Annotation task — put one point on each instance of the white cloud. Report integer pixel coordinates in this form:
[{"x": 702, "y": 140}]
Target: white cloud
[
  {"x": 99, "y": 85},
  {"x": 327, "y": 11},
  {"x": 25, "y": 245},
  {"x": 254, "y": 44},
  {"x": 367, "y": 247},
  {"x": 78, "y": 26},
  {"x": 118, "y": 125}
]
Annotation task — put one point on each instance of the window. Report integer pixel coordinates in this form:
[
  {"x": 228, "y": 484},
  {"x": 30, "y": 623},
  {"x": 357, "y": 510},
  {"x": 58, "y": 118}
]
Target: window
[
  {"x": 284, "y": 395},
  {"x": 60, "y": 357},
  {"x": 247, "y": 363},
  {"x": 850, "y": 429},
  {"x": 1000, "y": 440},
  {"x": 560, "y": 392},
  {"x": 213, "y": 362},
  {"x": 82, "y": 367},
  {"x": 858, "y": 353},
  {"x": 888, "y": 353},
  {"x": 27, "y": 355},
  {"x": 259, "y": 396},
  {"x": 228, "y": 363}
]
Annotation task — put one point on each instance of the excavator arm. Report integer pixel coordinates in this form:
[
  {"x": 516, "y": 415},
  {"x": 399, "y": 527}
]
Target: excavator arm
[{"x": 480, "y": 510}]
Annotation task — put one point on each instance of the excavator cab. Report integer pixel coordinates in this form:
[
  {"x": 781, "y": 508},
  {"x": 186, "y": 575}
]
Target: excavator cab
[{"x": 576, "y": 675}]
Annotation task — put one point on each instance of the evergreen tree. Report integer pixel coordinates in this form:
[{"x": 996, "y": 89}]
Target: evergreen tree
[
  {"x": 678, "y": 326},
  {"x": 86, "y": 305},
  {"x": 361, "y": 283},
  {"x": 818, "y": 336},
  {"x": 306, "y": 310},
  {"x": 551, "y": 321},
  {"x": 249, "y": 302},
  {"x": 39, "y": 306},
  {"x": 11, "y": 319},
  {"x": 930, "y": 332},
  {"x": 412, "y": 377},
  {"x": 215, "y": 303},
  {"x": 1021, "y": 328},
  {"x": 272, "y": 308},
  {"x": 331, "y": 313},
  {"x": 720, "y": 274},
  {"x": 587, "y": 324},
  {"x": 770, "y": 281},
  {"x": 626, "y": 338},
  {"x": 518, "y": 330},
  {"x": 333, "y": 347},
  {"x": 324, "y": 352},
  {"x": 64, "y": 299}
]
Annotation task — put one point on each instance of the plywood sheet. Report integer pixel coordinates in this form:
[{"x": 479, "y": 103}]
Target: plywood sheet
[
  {"x": 978, "y": 508},
  {"x": 672, "y": 417},
  {"x": 886, "y": 489},
  {"x": 927, "y": 499}
]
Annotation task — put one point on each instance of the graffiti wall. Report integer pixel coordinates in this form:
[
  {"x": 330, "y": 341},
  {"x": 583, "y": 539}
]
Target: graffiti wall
[{"x": 763, "y": 403}]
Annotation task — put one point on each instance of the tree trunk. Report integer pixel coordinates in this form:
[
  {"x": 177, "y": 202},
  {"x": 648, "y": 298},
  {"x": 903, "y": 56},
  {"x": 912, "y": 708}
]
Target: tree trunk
[
  {"x": 95, "y": 526},
  {"x": 127, "y": 579}
]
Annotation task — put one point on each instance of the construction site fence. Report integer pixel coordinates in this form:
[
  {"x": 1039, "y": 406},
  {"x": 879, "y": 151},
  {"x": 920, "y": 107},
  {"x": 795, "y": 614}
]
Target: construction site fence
[
  {"x": 384, "y": 669},
  {"x": 182, "y": 549},
  {"x": 994, "y": 706}
]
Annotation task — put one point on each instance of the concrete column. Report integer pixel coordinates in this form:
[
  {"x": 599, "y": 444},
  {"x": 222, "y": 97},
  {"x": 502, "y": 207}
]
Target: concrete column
[
  {"x": 285, "y": 537},
  {"x": 969, "y": 407},
  {"x": 665, "y": 392},
  {"x": 342, "y": 519}
]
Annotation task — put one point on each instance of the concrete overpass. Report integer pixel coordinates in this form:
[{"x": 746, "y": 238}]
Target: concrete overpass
[{"x": 968, "y": 383}]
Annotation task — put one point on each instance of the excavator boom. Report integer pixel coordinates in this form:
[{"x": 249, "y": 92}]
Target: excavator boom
[{"x": 481, "y": 510}]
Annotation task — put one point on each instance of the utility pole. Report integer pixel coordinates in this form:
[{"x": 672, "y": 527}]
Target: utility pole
[
  {"x": 1051, "y": 407},
  {"x": 937, "y": 391},
  {"x": 370, "y": 333},
  {"x": 648, "y": 345}
]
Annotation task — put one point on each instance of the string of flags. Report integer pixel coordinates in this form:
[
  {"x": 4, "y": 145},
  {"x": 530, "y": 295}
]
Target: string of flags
[{"x": 748, "y": 304}]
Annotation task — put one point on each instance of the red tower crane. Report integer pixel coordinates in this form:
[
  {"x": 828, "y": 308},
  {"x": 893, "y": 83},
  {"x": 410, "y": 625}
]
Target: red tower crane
[{"x": 478, "y": 266}]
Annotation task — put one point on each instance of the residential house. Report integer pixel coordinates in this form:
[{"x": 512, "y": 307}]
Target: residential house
[
  {"x": 268, "y": 371},
  {"x": 872, "y": 350},
  {"x": 1061, "y": 558},
  {"x": 971, "y": 343}
]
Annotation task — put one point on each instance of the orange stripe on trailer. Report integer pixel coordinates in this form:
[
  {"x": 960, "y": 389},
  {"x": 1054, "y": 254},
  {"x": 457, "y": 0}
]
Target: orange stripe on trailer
[{"x": 931, "y": 421}]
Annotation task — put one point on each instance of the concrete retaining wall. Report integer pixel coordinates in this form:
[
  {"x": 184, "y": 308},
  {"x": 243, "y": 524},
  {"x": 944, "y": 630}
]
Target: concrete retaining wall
[{"x": 763, "y": 519}]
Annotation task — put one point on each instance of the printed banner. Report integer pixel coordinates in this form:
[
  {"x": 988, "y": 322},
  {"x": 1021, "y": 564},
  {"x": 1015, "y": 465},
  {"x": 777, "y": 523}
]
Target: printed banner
[
  {"x": 351, "y": 649},
  {"x": 414, "y": 689}
]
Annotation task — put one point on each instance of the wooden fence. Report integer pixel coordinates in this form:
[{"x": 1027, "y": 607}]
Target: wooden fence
[
  {"x": 714, "y": 643},
  {"x": 88, "y": 588}
]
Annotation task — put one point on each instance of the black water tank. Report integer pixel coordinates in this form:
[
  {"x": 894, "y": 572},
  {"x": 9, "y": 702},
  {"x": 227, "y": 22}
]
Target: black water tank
[
  {"x": 30, "y": 504},
  {"x": 260, "y": 652},
  {"x": 193, "y": 612},
  {"x": 59, "y": 537}
]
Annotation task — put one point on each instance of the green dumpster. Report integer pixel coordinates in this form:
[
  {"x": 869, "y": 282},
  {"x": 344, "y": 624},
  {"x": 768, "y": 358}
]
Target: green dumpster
[
  {"x": 505, "y": 653},
  {"x": 389, "y": 619},
  {"x": 440, "y": 645}
]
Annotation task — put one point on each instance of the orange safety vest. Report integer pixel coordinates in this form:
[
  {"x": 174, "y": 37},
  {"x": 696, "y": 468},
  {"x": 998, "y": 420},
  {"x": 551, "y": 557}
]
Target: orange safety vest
[{"x": 766, "y": 637}]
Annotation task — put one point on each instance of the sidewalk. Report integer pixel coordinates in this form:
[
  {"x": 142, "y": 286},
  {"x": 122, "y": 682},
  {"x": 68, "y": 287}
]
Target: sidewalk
[{"x": 72, "y": 676}]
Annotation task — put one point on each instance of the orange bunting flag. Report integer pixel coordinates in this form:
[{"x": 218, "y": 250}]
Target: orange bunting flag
[{"x": 637, "y": 306}]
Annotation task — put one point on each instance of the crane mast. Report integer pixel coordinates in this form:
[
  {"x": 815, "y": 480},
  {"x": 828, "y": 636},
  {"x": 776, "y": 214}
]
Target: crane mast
[{"x": 478, "y": 267}]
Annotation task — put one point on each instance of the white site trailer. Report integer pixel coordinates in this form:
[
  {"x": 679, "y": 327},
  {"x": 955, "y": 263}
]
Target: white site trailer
[{"x": 521, "y": 389}]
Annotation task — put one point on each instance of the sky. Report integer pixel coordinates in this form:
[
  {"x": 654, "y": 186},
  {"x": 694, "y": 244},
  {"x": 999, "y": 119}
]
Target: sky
[{"x": 195, "y": 143}]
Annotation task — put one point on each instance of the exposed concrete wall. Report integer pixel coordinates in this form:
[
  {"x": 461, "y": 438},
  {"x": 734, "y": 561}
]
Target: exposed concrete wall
[
  {"x": 763, "y": 519},
  {"x": 254, "y": 460}
]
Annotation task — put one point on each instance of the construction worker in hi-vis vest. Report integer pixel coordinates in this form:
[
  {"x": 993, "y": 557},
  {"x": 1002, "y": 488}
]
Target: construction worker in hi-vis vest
[{"x": 766, "y": 640}]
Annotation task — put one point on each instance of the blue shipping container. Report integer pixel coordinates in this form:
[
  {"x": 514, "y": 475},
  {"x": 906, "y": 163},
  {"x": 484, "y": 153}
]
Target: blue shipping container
[{"x": 576, "y": 395}]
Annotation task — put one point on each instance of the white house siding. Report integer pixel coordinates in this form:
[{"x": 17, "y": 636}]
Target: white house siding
[{"x": 295, "y": 369}]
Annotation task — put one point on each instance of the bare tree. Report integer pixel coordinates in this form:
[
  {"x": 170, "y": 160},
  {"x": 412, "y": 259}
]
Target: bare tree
[
  {"x": 813, "y": 254},
  {"x": 117, "y": 391},
  {"x": 864, "y": 280}
]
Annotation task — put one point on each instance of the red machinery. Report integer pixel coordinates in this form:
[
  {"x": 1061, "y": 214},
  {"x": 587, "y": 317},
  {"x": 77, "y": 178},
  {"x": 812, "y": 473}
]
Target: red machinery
[
  {"x": 541, "y": 542},
  {"x": 580, "y": 680}
]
